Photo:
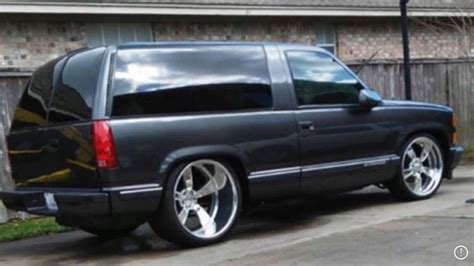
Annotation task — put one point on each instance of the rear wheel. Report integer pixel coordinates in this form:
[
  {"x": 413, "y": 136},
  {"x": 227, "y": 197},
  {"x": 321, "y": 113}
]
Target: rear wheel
[
  {"x": 201, "y": 203},
  {"x": 421, "y": 169}
]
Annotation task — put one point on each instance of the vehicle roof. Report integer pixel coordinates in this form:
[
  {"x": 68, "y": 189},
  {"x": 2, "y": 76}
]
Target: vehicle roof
[{"x": 198, "y": 43}]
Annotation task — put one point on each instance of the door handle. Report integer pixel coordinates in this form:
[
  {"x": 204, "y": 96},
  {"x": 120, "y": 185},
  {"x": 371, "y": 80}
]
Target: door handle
[{"x": 306, "y": 125}]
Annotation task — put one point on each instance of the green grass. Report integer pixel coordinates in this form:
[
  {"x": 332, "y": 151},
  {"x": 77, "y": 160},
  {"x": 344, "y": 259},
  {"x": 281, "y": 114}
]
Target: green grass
[
  {"x": 468, "y": 155},
  {"x": 20, "y": 229}
]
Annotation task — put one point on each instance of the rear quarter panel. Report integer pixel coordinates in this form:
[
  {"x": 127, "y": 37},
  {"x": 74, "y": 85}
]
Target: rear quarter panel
[{"x": 147, "y": 148}]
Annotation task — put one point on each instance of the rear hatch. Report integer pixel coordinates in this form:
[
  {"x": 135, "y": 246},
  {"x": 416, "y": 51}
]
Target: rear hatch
[{"x": 51, "y": 143}]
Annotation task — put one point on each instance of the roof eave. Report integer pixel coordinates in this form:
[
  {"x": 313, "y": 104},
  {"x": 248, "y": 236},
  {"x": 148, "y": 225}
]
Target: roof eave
[{"x": 219, "y": 10}]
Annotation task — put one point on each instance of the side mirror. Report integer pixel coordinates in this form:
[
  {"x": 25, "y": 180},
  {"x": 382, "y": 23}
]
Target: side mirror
[{"x": 369, "y": 98}]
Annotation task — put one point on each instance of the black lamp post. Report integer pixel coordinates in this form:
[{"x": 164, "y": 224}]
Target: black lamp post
[{"x": 406, "y": 48}]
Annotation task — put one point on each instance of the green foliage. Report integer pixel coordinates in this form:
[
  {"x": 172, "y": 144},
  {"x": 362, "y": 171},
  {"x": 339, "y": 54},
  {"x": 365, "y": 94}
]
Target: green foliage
[{"x": 20, "y": 229}]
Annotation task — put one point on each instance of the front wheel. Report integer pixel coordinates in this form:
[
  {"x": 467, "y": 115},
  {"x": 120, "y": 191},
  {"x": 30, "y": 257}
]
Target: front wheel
[
  {"x": 421, "y": 169},
  {"x": 201, "y": 203}
]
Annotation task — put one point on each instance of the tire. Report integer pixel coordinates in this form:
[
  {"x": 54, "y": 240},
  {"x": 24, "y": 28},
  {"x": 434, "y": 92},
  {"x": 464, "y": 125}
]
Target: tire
[
  {"x": 420, "y": 174},
  {"x": 209, "y": 205}
]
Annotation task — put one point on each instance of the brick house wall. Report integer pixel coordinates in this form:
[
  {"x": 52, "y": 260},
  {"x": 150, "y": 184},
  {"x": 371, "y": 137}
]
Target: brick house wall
[
  {"x": 360, "y": 39},
  {"x": 356, "y": 39},
  {"x": 28, "y": 44},
  {"x": 284, "y": 31}
]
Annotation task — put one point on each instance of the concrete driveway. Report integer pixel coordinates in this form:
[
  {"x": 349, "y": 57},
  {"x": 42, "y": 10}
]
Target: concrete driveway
[{"x": 363, "y": 227}]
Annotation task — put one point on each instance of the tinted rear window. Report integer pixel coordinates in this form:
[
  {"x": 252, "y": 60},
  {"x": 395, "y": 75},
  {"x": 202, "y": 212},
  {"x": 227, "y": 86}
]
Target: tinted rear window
[
  {"x": 190, "y": 79},
  {"x": 33, "y": 106},
  {"x": 74, "y": 95}
]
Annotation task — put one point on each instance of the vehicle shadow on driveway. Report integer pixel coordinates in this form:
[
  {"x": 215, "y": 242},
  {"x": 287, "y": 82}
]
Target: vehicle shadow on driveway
[{"x": 262, "y": 221}]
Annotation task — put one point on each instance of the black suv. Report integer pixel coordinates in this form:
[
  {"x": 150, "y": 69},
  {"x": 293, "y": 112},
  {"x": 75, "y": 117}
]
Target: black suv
[{"x": 182, "y": 135}]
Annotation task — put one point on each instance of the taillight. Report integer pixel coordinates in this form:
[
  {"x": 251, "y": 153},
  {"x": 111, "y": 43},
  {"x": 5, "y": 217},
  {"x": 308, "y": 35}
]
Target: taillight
[
  {"x": 104, "y": 145},
  {"x": 454, "y": 124}
]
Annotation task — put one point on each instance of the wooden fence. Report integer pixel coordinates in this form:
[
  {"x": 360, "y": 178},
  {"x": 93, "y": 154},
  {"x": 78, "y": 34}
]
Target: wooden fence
[
  {"x": 10, "y": 91},
  {"x": 446, "y": 82}
]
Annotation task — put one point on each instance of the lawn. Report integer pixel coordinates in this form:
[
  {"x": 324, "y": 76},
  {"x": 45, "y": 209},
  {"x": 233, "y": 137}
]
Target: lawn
[{"x": 19, "y": 229}]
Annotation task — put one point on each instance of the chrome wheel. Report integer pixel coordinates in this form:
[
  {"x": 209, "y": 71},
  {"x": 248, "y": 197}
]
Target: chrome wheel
[
  {"x": 206, "y": 198},
  {"x": 422, "y": 166}
]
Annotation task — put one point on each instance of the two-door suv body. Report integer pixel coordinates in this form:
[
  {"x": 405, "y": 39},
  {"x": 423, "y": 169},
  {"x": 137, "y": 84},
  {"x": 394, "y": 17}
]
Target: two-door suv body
[{"x": 183, "y": 135}]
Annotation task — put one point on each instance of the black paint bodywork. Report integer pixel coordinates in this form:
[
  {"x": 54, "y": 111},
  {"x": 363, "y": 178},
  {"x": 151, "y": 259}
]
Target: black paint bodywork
[{"x": 282, "y": 151}]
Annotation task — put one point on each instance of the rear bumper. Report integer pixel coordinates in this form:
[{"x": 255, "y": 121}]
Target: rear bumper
[{"x": 141, "y": 199}]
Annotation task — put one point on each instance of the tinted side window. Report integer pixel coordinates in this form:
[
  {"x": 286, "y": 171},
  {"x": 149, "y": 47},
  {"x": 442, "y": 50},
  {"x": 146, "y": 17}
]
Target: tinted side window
[
  {"x": 74, "y": 95},
  {"x": 33, "y": 106},
  {"x": 190, "y": 79},
  {"x": 318, "y": 79}
]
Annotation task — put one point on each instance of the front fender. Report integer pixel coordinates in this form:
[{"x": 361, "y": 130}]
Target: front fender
[{"x": 438, "y": 130}]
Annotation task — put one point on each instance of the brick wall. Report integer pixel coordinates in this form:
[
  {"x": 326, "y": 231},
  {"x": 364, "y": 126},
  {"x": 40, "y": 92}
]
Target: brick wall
[
  {"x": 356, "y": 39},
  {"x": 360, "y": 39},
  {"x": 285, "y": 31},
  {"x": 29, "y": 44}
]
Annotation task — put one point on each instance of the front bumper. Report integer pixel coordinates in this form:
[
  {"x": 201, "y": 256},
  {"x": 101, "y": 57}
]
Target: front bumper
[
  {"x": 455, "y": 156},
  {"x": 129, "y": 200}
]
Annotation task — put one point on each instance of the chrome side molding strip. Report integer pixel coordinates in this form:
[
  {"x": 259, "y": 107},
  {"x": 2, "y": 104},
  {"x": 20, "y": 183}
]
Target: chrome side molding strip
[
  {"x": 274, "y": 172},
  {"x": 134, "y": 187},
  {"x": 143, "y": 190},
  {"x": 365, "y": 162}
]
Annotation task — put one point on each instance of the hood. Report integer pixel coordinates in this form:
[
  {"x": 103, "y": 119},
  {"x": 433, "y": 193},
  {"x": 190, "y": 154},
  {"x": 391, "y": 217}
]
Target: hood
[{"x": 402, "y": 103}]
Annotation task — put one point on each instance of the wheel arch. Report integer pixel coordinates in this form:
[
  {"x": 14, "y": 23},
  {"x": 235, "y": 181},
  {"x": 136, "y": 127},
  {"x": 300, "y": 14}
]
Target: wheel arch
[
  {"x": 231, "y": 155},
  {"x": 440, "y": 134}
]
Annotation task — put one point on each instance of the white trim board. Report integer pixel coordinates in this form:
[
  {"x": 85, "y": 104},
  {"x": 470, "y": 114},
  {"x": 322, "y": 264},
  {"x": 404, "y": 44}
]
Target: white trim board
[{"x": 214, "y": 10}]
